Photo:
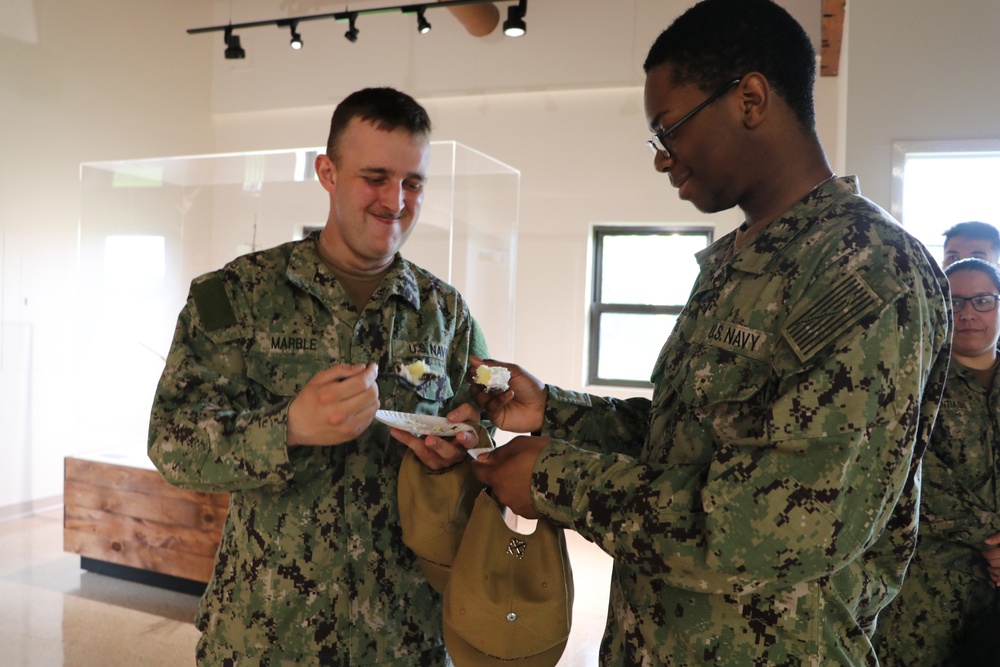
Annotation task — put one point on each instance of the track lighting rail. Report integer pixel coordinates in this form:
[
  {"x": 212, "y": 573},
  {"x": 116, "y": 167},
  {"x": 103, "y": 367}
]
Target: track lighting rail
[{"x": 515, "y": 14}]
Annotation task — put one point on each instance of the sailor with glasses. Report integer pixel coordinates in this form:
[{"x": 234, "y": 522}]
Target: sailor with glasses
[
  {"x": 953, "y": 576},
  {"x": 760, "y": 507}
]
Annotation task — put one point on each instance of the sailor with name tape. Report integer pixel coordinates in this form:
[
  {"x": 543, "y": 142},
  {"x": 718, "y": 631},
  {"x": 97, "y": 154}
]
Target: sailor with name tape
[
  {"x": 768, "y": 513},
  {"x": 761, "y": 507},
  {"x": 948, "y": 612},
  {"x": 279, "y": 361}
]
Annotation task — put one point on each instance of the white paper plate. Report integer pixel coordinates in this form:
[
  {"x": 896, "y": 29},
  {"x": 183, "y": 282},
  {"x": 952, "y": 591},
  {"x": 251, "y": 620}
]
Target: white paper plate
[
  {"x": 474, "y": 453},
  {"x": 421, "y": 424}
]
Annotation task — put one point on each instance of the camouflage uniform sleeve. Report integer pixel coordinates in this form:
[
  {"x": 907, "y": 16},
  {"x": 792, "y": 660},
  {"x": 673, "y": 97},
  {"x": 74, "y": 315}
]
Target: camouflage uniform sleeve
[
  {"x": 596, "y": 423},
  {"x": 948, "y": 511},
  {"x": 958, "y": 498},
  {"x": 801, "y": 494},
  {"x": 477, "y": 340},
  {"x": 206, "y": 433},
  {"x": 469, "y": 339}
]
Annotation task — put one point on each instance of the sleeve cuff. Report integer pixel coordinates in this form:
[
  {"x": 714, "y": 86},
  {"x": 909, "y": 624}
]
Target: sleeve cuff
[{"x": 558, "y": 403}]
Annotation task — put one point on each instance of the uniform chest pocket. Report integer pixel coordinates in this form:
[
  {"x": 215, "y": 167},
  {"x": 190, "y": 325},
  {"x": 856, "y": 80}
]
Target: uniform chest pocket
[
  {"x": 426, "y": 395},
  {"x": 966, "y": 430},
  {"x": 964, "y": 443},
  {"x": 283, "y": 375},
  {"x": 711, "y": 376}
]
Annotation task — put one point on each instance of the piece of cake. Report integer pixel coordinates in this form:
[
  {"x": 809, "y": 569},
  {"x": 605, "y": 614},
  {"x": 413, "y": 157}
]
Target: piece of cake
[
  {"x": 416, "y": 373},
  {"x": 494, "y": 378}
]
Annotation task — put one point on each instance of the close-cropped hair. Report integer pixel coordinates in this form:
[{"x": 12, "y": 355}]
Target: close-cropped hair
[
  {"x": 387, "y": 108},
  {"x": 976, "y": 264},
  {"x": 975, "y": 229},
  {"x": 717, "y": 41}
]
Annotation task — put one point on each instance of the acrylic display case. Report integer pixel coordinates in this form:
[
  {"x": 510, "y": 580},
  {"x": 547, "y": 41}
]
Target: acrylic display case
[{"x": 147, "y": 227}]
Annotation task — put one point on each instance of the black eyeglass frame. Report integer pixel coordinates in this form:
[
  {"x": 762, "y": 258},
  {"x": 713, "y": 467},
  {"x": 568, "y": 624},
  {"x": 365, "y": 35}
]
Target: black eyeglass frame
[
  {"x": 990, "y": 300},
  {"x": 657, "y": 143}
]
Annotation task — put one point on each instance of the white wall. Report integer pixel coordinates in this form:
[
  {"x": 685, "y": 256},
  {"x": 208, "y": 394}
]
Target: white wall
[
  {"x": 111, "y": 79},
  {"x": 920, "y": 70},
  {"x": 79, "y": 81}
]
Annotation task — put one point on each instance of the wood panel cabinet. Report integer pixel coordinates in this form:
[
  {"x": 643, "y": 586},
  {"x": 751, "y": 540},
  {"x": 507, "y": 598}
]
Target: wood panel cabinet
[{"x": 119, "y": 510}]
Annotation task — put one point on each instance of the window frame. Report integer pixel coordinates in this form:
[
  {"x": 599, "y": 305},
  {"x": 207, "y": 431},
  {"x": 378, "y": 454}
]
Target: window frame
[
  {"x": 903, "y": 152},
  {"x": 598, "y": 308}
]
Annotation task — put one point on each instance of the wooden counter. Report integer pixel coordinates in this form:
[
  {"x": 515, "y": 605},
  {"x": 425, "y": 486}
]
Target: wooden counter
[{"x": 120, "y": 513}]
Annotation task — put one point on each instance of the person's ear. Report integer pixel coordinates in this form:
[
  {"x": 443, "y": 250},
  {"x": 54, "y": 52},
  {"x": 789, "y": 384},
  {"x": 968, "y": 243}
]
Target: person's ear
[
  {"x": 755, "y": 98},
  {"x": 326, "y": 172}
]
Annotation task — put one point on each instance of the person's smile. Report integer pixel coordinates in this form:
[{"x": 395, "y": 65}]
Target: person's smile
[
  {"x": 386, "y": 217},
  {"x": 679, "y": 182}
]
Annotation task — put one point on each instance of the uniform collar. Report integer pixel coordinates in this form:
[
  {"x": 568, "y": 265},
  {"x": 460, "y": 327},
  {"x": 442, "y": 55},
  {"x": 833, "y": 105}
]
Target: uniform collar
[
  {"x": 307, "y": 270},
  {"x": 760, "y": 251},
  {"x": 971, "y": 376}
]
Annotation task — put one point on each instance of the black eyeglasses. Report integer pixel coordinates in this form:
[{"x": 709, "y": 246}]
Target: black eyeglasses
[
  {"x": 983, "y": 303},
  {"x": 658, "y": 143}
]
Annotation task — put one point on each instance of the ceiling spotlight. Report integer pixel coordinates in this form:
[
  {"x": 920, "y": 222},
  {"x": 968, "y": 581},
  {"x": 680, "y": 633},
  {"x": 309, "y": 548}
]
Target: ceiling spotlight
[
  {"x": 233, "y": 49},
  {"x": 352, "y": 31},
  {"x": 423, "y": 25},
  {"x": 296, "y": 42},
  {"x": 514, "y": 25}
]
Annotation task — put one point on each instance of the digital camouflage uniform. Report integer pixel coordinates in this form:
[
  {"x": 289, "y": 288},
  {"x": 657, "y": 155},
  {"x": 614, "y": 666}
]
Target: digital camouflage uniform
[
  {"x": 761, "y": 508},
  {"x": 947, "y": 583},
  {"x": 311, "y": 569}
]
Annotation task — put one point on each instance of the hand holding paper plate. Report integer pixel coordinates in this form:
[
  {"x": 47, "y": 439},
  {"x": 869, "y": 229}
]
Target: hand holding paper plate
[
  {"x": 421, "y": 424},
  {"x": 426, "y": 425}
]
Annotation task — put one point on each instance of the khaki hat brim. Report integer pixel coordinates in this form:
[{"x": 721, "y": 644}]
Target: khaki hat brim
[
  {"x": 464, "y": 654},
  {"x": 434, "y": 508}
]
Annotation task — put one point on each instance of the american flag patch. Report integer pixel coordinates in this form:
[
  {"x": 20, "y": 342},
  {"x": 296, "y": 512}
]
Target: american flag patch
[{"x": 841, "y": 308}]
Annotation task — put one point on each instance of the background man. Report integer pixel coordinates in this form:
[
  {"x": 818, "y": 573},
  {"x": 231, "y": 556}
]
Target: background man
[{"x": 971, "y": 239}]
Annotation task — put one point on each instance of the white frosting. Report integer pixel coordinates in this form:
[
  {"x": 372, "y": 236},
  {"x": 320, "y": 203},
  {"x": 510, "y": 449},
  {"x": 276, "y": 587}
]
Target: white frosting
[{"x": 494, "y": 378}]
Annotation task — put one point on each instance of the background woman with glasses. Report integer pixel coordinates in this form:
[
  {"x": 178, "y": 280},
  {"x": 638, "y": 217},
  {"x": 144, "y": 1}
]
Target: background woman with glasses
[{"x": 951, "y": 585}]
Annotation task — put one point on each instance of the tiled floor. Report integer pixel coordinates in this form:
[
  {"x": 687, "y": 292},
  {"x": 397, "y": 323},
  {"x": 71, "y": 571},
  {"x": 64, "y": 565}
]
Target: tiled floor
[{"x": 53, "y": 614}]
